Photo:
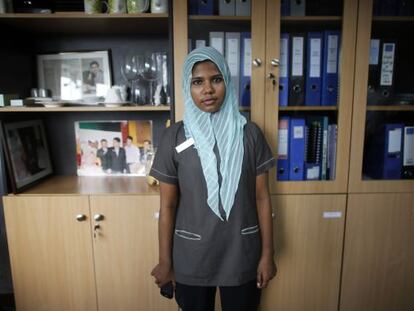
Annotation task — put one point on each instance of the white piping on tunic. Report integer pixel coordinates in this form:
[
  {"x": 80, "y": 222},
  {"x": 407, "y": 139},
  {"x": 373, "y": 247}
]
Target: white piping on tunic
[
  {"x": 188, "y": 235},
  {"x": 164, "y": 174},
  {"x": 264, "y": 163}
]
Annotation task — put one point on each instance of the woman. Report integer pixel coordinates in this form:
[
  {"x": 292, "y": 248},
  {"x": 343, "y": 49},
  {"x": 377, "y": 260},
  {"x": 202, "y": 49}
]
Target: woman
[{"x": 215, "y": 226}]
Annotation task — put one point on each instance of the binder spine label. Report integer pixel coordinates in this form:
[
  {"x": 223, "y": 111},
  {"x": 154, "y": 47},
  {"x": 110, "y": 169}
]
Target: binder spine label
[
  {"x": 394, "y": 140},
  {"x": 233, "y": 49},
  {"x": 374, "y": 52},
  {"x": 332, "y": 54},
  {"x": 387, "y": 66},
  {"x": 298, "y": 132},
  {"x": 408, "y": 157},
  {"x": 247, "y": 67},
  {"x": 282, "y": 149},
  {"x": 315, "y": 58},
  {"x": 297, "y": 56},
  {"x": 283, "y": 58}
]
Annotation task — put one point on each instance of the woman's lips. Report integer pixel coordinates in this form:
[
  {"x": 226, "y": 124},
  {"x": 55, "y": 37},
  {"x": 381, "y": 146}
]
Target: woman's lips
[{"x": 209, "y": 101}]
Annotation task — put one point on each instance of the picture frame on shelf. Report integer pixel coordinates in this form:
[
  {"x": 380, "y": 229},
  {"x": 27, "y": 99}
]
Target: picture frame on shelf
[
  {"x": 27, "y": 153},
  {"x": 75, "y": 77},
  {"x": 113, "y": 147}
]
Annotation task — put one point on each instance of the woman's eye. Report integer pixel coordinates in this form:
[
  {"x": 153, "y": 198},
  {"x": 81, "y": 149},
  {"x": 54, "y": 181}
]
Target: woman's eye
[
  {"x": 196, "y": 82},
  {"x": 218, "y": 80}
]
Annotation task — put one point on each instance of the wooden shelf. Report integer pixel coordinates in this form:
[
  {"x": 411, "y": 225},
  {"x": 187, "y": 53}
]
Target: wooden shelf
[
  {"x": 76, "y": 185},
  {"x": 82, "y": 23},
  {"x": 308, "y": 108},
  {"x": 245, "y": 108},
  {"x": 311, "y": 19},
  {"x": 393, "y": 19},
  {"x": 85, "y": 109},
  {"x": 219, "y": 18},
  {"x": 391, "y": 108}
]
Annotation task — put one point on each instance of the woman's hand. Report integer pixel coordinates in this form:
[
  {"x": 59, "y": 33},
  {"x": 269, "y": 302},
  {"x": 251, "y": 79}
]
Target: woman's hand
[
  {"x": 163, "y": 273},
  {"x": 266, "y": 270}
]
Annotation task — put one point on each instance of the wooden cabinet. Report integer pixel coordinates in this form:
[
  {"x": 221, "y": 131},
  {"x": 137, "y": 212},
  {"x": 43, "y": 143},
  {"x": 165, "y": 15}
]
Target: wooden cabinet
[
  {"x": 61, "y": 263},
  {"x": 372, "y": 110},
  {"x": 51, "y": 253},
  {"x": 308, "y": 235},
  {"x": 125, "y": 252},
  {"x": 378, "y": 271}
]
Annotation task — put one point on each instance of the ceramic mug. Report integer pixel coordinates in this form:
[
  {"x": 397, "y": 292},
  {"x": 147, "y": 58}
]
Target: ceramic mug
[
  {"x": 115, "y": 6},
  {"x": 93, "y": 6},
  {"x": 138, "y": 6},
  {"x": 159, "y": 6}
]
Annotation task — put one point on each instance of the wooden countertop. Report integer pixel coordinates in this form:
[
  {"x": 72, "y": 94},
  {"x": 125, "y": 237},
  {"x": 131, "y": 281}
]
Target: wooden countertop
[{"x": 75, "y": 185}]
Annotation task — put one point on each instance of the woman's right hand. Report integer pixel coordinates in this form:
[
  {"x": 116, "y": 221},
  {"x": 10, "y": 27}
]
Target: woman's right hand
[{"x": 163, "y": 273}]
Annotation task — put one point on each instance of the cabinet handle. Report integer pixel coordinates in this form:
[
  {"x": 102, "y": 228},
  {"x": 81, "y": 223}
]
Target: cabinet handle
[
  {"x": 98, "y": 217},
  {"x": 80, "y": 217},
  {"x": 257, "y": 62},
  {"x": 275, "y": 62}
]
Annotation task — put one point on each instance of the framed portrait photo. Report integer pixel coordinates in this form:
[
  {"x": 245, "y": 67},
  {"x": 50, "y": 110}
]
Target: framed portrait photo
[
  {"x": 81, "y": 77},
  {"x": 27, "y": 153}
]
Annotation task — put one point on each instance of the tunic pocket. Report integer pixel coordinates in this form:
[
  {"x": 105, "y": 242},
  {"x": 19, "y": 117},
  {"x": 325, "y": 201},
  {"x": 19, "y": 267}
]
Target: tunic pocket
[
  {"x": 250, "y": 230},
  {"x": 188, "y": 235}
]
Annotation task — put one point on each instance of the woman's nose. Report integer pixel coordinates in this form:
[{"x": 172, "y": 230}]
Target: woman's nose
[{"x": 208, "y": 87}]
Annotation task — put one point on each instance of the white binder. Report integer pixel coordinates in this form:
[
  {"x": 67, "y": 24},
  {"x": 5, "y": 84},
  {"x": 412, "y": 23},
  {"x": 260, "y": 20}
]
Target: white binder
[
  {"x": 233, "y": 58},
  {"x": 217, "y": 41}
]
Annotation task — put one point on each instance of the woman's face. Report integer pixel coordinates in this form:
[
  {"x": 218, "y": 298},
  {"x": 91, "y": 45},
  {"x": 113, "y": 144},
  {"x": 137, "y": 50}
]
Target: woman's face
[{"x": 207, "y": 87}]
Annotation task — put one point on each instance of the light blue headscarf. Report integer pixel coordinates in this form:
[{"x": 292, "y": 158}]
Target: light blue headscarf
[{"x": 225, "y": 126}]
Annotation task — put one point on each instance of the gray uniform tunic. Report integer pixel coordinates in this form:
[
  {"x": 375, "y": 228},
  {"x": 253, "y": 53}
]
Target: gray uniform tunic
[{"x": 206, "y": 250}]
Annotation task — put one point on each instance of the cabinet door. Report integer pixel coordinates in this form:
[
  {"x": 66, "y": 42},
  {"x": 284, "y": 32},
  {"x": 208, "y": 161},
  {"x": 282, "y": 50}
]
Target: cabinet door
[
  {"x": 378, "y": 269},
  {"x": 307, "y": 116},
  {"x": 242, "y": 40},
  {"x": 126, "y": 250},
  {"x": 308, "y": 235},
  {"x": 51, "y": 253}
]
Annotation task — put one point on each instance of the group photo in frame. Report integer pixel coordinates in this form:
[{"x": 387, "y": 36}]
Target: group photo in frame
[
  {"x": 27, "y": 153},
  {"x": 81, "y": 77},
  {"x": 113, "y": 148}
]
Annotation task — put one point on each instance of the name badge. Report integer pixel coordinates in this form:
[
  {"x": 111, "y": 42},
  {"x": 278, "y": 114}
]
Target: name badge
[{"x": 189, "y": 142}]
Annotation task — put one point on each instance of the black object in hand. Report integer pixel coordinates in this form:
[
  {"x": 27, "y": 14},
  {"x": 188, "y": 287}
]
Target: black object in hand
[{"x": 167, "y": 290}]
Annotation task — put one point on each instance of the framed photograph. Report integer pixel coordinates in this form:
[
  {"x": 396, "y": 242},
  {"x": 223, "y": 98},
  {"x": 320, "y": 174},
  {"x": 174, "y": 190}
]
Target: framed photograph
[
  {"x": 113, "y": 148},
  {"x": 27, "y": 153},
  {"x": 83, "y": 77}
]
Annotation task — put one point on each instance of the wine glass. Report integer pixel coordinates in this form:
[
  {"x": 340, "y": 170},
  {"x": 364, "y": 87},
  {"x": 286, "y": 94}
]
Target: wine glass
[
  {"x": 152, "y": 74},
  {"x": 131, "y": 69}
]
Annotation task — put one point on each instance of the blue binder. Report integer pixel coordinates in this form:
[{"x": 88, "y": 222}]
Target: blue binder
[
  {"x": 283, "y": 149},
  {"x": 384, "y": 153},
  {"x": 330, "y": 68},
  {"x": 193, "y": 7},
  {"x": 205, "y": 7},
  {"x": 284, "y": 70},
  {"x": 245, "y": 69},
  {"x": 296, "y": 149},
  {"x": 314, "y": 69},
  {"x": 285, "y": 7}
]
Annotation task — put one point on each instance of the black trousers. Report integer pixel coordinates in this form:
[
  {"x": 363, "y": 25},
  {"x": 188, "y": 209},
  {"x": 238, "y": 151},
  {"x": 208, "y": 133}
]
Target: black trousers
[{"x": 245, "y": 297}]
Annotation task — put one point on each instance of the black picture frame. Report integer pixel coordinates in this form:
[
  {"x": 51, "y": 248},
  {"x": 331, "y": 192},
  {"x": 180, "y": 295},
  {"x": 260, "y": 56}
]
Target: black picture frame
[{"x": 27, "y": 153}]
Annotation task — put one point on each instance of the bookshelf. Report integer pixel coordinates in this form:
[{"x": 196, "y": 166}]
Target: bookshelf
[
  {"x": 340, "y": 113},
  {"x": 376, "y": 115},
  {"x": 28, "y": 35}
]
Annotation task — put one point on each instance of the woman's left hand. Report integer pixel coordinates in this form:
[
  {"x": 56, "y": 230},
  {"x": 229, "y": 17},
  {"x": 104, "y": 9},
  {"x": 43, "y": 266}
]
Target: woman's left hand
[{"x": 266, "y": 270}]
